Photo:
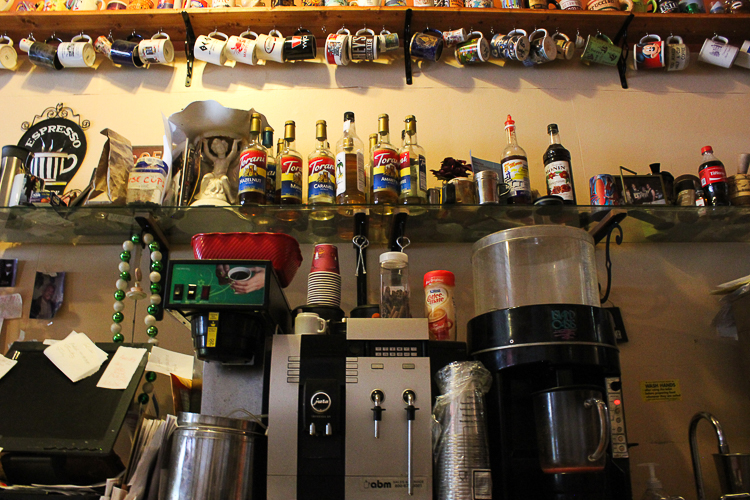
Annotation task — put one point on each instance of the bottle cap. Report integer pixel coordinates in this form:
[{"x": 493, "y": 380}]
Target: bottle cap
[
  {"x": 707, "y": 149},
  {"x": 396, "y": 257},
  {"x": 349, "y": 116},
  {"x": 446, "y": 277},
  {"x": 509, "y": 123},
  {"x": 551, "y": 128}
]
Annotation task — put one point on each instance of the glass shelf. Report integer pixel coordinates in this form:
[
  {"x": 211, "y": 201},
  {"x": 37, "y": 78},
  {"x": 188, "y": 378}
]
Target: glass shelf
[{"x": 425, "y": 224}]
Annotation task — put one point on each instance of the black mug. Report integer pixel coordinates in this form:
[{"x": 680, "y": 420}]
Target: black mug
[
  {"x": 45, "y": 55},
  {"x": 300, "y": 46},
  {"x": 125, "y": 53}
]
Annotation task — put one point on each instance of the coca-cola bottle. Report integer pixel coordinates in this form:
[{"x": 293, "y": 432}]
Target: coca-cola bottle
[{"x": 713, "y": 179}]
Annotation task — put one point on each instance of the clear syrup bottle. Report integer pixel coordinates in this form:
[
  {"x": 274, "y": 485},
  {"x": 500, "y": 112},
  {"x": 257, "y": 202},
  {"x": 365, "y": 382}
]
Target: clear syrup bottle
[
  {"x": 350, "y": 165},
  {"x": 516, "y": 167}
]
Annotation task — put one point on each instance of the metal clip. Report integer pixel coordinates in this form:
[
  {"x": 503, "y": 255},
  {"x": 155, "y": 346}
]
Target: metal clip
[
  {"x": 403, "y": 242},
  {"x": 361, "y": 242}
]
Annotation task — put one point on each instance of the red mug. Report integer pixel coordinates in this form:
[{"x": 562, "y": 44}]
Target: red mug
[{"x": 649, "y": 53}]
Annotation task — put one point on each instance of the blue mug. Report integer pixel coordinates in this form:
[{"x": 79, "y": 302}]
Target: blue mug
[{"x": 427, "y": 45}]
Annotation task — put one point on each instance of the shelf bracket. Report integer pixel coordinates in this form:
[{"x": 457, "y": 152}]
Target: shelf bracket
[
  {"x": 608, "y": 259},
  {"x": 189, "y": 45},
  {"x": 149, "y": 225},
  {"x": 622, "y": 35},
  {"x": 360, "y": 242},
  {"x": 407, "y": 51}
]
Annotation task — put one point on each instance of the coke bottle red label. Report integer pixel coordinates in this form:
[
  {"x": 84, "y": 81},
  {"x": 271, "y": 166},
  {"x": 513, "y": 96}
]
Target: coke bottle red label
[{"x": 713, "y": 174}]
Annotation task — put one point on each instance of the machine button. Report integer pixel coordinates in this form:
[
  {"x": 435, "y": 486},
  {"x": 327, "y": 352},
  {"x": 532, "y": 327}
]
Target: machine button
[
  {"x": 352, "y": 359},
  {"x": 377, "y": 366},
  {"x": 399, "y": 348},
  {"x": 619, "y": 429},
  {"x": 351, "y": 373},
  {"x": 192, "y": 290},
  {"x": 352, "y": 380},
  {"x": 352, "y": 366},
  {"x": 329, "y": 430},
  {"x": 408, "y": 366},
  {"x": 312, "y": 429},
  {"x": 393, "y": 354},
  {"x": 414, "y": 349},
  {"x": 293, "y": 366},
  {"x": 399, "y": 354},
  {"x": 178, "y": 291},
  {"x": 292, "y": 373},
  {"x": 205, "y": 292},
  {"x": 292, "y": 380},
  {"x": 294, "y": 358},
  {"x": 617, "y": 410},
  {"x": 618, "y": 420},
  {"x": 378, "y": 354},
  {"x": 378, "y": 349}
]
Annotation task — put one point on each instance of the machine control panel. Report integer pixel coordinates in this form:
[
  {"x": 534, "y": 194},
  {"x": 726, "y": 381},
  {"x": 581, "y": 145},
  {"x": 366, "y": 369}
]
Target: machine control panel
[
  {"x": 616, "y": 418},
  {"x": 387, "y": 348}
]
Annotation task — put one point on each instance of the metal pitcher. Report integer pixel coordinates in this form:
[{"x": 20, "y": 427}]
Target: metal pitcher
[{"x": 733, "y": 468}]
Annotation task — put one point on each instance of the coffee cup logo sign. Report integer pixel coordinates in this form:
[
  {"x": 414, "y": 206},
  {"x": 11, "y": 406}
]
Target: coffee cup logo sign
[{"x": 59, "y": 146}]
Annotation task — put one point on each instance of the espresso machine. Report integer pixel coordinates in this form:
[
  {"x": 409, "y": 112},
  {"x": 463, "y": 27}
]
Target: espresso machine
[
  {"x": 350, "y": 415},
  {"x": 555, "y": 417}
]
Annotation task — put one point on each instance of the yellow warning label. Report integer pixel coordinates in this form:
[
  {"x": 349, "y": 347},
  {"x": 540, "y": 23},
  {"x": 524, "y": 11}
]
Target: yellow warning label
[
  {"x": 213, "y": 316},
  {"x": 660, "y": 390},
  {"x": 211, "y": 337}
]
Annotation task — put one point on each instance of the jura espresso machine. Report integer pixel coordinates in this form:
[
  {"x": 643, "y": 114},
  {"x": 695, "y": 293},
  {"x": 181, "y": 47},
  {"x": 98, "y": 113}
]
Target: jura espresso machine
[{"x": 555, "y": 416}]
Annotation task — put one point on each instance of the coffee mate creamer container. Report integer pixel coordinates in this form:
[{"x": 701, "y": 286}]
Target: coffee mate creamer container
[{"x": 439, "y": 307}]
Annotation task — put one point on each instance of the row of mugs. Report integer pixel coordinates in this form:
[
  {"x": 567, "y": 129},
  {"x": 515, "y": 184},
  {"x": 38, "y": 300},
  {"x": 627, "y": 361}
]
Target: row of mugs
[{"x": 342, "y": 47}]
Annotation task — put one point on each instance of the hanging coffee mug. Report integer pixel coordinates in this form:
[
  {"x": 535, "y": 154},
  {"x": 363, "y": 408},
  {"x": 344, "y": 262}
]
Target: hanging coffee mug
[
  {"x": 388, "y": 41},
  {"x": 454, "y": 37},
  {"x": 300, "y": 46},
  {"x": 565, "y": 48},
  {"x": 125, "y": 53},
  {"x": 8, "y": 55},
  {"x": 210, "y": 48},
  {"x": 364, "y": 46},
  {"x": 599, "y": 49},
  {"x": 427, "y": 45},
  {"x": 543, "y": 48},
  {"x": 41, "y": 53},
  {"x": 337, "y": 47},
  {"x": 157, "y": 50},
  {"x": 103, "y": 45},
  {"x": 649, "y": 53},
  {"x": 270, "y": 47},
  {"x": 514, "y": 46},
  {"x": 678, "y": 54},
  {"x": 743, "y": 56},
  {"x": 77, "y": 53},
  {"x": 718, "y": 52},
  {"x": 474, "y": 50},
  {"x": 242, "y": 48}
]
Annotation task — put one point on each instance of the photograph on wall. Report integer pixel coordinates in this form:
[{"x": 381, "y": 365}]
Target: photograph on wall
[
  {"x": 48, "y": 295},
  {"x": 642, "y": 189}
]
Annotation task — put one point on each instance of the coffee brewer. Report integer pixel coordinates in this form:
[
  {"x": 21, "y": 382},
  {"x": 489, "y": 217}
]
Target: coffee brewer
[{"x": 555, "y": 416}]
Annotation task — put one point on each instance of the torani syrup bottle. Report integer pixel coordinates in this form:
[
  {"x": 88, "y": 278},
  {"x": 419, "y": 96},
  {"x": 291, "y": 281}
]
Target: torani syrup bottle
[
  {"x": 252, "y": 171},
  {"x": 413, "y": 167},
  {"x": 385, "y": 166}
]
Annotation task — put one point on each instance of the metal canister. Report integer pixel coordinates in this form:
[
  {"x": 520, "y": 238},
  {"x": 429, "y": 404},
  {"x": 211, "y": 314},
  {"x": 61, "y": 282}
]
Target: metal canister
[
  {"x": 487, "y": 192},
  {"x": 433, "y": 196},
  {"x": 684, "y": 189},
  {"x": 14, "y": 161},
  {"x": 465, "y": 190},
  {"x": 604, "y": 190}
]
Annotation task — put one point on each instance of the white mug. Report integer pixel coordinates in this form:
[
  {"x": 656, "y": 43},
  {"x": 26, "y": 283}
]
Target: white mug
[
  {"x": 8, "y": 55},
  {"x": 76, "y": 53},
  {"x": 156, "y": 50},
  {"x": 718, "y": 52},
  {"x": 87, "y": 5},
  {"x": 222, "y": 3},
  {"x": 678, "y": 54},
  {"x": 309, "y": 324},
  {"x": 210, "y": 48},
  {"x": 743, "y": 56},
  {"x": 337, "y": 47},
  {"x": 242, "y": 49},
  {"x": 270, "y": 47}
]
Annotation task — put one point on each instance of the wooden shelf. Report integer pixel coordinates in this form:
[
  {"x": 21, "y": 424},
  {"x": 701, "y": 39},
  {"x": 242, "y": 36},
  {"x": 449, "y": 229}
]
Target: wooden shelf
[{"x": 694, "y": 28}]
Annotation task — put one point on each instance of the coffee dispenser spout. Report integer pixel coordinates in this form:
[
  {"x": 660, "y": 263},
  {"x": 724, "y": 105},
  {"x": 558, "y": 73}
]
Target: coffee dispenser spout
[{"x": 723, "y": 448}]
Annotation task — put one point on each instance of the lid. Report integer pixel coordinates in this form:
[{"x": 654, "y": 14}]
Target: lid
[
  {"x": 446, "y": 277},
  {"x": 482, "y": 174},
  {"x": 394, "y": 257},
  {"x": 552, "y": 128},
  {"x": 707, "y": 149},
  {"x": 540, "y": 231},
  {"x": 349, "y": 116},
  {"x": 686, "y": 182},
  {"x": 552, "y": 199},
  {"x": 17, "y": 152},
  {"x": 509, "y": 122}
]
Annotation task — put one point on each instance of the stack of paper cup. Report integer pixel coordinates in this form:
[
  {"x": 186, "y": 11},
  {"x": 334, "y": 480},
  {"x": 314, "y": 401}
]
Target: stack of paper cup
[{"x": 324, "y": 281}]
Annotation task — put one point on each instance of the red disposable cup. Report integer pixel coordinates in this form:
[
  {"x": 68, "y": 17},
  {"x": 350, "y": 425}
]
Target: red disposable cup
[{"x": 325, "y": 258}]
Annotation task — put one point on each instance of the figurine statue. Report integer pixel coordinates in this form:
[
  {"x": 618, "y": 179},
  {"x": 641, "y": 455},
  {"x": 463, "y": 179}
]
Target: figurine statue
[{"x": 215, "y": 188}]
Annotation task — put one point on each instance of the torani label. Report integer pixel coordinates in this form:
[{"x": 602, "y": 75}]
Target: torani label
[
  {"x": 291, "y": 177},
  {"x": 385, "y": 171},
  {"x": 321, "y": 177},
  {"x": 252, "y": 171}
]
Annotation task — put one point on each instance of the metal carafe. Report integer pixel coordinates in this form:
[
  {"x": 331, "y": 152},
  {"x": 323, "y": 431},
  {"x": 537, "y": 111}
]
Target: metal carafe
[
  {"x": 15, "y": 160},
  {"x": 733, "y": 468}
]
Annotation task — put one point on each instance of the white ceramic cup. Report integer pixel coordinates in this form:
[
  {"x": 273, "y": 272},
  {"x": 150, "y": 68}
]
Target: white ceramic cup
[
  {"x": 156, "y": 50},
  {"x": 8, "y": 55},
  {"x": 678, "y": 54},
  {"x": 743, "y": 56},
  {"x": 718, "y": 52},
  {"x": 222, "y": 3},
  {"x": 270, "y": 47},
  {"x": 309, "y": 324},
  {"x": 87, "y": 5},
  {"x": 210, "y": 48},
  {"x": 242, "y": 48},
  {"x": 77, "y": 53},
  {"x": 337, "y": 47}
]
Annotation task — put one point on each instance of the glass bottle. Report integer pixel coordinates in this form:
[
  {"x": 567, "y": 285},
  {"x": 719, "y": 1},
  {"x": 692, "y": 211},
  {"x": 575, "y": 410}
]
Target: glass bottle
[
  {"x": 394, "y": 285},
  {"x": 279, "y": 150},
  {"x": 290, "y": 168},
  {"x": 321, "y": 173},
  {"x": 350, "y": 165},
  {"x": 516, "y": 168},
  {"x": 713, "y": 179},
  {"x": 252, "y": 171},
  {"x": 385, "y": 166},
  {"x": 369, "y": 170},
  {"x": 557, "y": 168},
  {"x": 413, "y": 171},
  {"x": 270, "y": 166}
]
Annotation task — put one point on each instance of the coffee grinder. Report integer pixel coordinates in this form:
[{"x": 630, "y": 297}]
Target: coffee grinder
[{"x": 555, "y": 416}]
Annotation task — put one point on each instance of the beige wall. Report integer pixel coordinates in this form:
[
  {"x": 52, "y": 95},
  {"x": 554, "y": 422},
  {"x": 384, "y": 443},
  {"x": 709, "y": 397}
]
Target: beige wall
[{"x": 662, "y": 289}]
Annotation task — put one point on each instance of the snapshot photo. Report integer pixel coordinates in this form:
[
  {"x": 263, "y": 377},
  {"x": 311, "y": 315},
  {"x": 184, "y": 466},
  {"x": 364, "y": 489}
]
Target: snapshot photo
[
  {"x": 48, "y": 295},
  {"x": 643, "y": 189}
]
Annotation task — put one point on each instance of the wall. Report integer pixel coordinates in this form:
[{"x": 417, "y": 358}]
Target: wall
[{"x": 661, "y": 289}]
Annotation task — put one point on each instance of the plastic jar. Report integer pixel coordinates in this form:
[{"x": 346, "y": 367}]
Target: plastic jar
[
  {"x": 147, "y": 180},
  {"x": 439, "y": 306},
  {"x": 394, "y": 285}
]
